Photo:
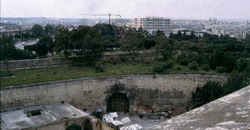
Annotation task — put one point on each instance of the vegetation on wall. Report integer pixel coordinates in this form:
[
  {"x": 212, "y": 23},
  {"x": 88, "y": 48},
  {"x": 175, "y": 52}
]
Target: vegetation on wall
[{"x": 214, "y": 90}]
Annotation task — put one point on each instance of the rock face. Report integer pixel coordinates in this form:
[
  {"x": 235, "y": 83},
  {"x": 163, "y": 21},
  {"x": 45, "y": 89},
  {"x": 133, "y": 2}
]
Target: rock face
[
  {"x": 229, "y": 112},
  {"x": 138, "y": 93}
]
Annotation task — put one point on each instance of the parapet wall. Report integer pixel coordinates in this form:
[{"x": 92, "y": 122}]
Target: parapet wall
[{"x": 145, "y": 92}]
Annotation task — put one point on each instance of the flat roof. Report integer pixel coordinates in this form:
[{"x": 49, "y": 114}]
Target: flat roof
[
  {"x": 229, "y": 112},
  {"x": 39, "y": 116}
]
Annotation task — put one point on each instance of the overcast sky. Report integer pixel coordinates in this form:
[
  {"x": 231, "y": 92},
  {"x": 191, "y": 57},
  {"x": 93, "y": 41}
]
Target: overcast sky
[{"x": 186, "y": 9}]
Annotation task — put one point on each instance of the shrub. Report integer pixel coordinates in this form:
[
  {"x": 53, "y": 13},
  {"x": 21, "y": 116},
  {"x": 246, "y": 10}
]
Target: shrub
[
  {"x": 113, "y": 60},
  {"x": 160, "y": 68},
  {"x": 183, "y": 59},
  {"x": 6, "y": 74},
  {"x": 241, "y": 64},
  {"x": 221, "y": 69},
  {"x": 193, "y": 65},
  {"x": 214, "y": 90},
  {"x": 123, "y": 58},
  {"x": 178, "y": 68},
  {"x": 206, "y": 67},
  {"x": 99, "y": 68},
  {"x": 207, "y": 93}
]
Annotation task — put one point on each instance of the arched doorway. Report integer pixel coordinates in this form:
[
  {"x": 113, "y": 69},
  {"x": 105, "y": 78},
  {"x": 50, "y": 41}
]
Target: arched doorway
[
  {"x": 74, "y": 127},
  {"x": 118, "y": 102}
]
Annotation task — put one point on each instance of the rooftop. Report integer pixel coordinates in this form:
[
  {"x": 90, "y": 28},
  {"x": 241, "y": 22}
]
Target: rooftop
[
  {"x": 229, "y": 112},
  {"x": 39, "y": 116}
]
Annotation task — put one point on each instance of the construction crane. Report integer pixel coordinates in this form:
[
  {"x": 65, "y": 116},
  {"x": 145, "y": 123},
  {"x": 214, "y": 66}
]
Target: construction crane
[{"x": 109, "y": 15}]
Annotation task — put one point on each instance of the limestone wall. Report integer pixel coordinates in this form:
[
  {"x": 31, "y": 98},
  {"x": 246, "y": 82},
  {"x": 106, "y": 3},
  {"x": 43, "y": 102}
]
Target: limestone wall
[
  {"x": 145, "y": 92},
  {"x": 47, "y": 62}
]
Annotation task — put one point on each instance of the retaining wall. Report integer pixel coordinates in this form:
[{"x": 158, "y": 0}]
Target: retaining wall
[{"x": 145, "y": 92}]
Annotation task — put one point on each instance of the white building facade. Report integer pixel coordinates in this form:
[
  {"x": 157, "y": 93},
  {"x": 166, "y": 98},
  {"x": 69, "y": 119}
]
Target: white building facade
[
  {"x": 120, "y": 22},
  {"x": 152, "y": 25}
]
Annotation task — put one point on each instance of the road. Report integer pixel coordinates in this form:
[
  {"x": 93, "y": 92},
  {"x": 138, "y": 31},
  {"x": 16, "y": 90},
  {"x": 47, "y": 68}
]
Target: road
[{"x": 30, "y": 42}]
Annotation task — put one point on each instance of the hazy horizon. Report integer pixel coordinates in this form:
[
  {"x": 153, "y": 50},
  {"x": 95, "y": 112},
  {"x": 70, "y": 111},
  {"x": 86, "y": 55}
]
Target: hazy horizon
[{"x": 181, "y": 9}]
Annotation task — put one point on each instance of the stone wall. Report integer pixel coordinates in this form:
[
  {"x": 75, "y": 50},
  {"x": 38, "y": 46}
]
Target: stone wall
[
  {"x": 47, "y": 62},
  {"x": 145, "y": 92}
]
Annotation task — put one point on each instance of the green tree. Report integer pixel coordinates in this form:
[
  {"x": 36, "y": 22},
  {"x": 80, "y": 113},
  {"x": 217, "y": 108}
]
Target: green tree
[
  {"x": 107, "y": 29},
  {"x": 43, "y": 47},
  {"x": 159, "y": 33},
  {"x": 149, "y": 42},
  {"x": 164, "y": 47},
  {"x": 9, "y": 52},
  {"x": 37, "y": 30},
  {"x": 49, "y": 29},
  {"x": 62, "y": 41},
  {"x": 132, "y": 43},
  {"x": 87, "y": 43}
]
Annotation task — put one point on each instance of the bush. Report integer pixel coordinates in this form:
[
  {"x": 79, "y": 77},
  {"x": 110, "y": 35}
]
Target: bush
[
  {"x": 6, "y": 74},
  {"x": 214, "y": 90},
  {"x": 123, "y": 58},
  {"x": 241, "y": 64},
  {"x": 178, "y": 68},
  {"x": 205, "y": 94},
  {"x": 99, "y": 68},
  {"x": 113, "y": 60},
  {"x": 221, "y": 69},
  {"x": 183, "y": 59},
  {"x": 160, "y": 68},
  {"x": 193, "y": 65},
  {"x": 206, "y": 67}
]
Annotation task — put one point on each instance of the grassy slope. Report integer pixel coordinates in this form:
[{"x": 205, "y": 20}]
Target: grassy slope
[{"x": 70, "y": 72}]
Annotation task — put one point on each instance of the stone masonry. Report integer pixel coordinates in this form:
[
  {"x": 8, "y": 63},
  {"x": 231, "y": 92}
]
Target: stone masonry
[{"x": 145, "y": 92}]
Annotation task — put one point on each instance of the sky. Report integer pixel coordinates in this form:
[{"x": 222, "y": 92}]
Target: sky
[{"x": 180, "y": 9}]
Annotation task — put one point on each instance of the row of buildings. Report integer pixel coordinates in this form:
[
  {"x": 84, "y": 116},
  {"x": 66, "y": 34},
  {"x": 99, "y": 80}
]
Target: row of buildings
[{"x": 149, "y": 24}]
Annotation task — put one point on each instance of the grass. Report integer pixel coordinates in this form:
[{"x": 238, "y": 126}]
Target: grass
[{"x": 70, "y": 72}]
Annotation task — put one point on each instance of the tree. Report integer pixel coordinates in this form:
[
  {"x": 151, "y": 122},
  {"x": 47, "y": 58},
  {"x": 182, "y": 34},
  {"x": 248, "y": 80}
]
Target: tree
[
  {"x": 149, "y": 42},
  {"x": 164, "y": 47},
  {"x": 62, "y": 41},
  {"x": 43, "y": 47},
  {"x": 9, "y": 52},
  {"x": 132, "y": 43},
  {"x": 107, "y": 29},
  {"x": 49, "y": 29},
  {"x": 110, "y": 42},
  {"x": 159, "y": 33},
  {"x": 37, "y": 30},
  {"x": 87, "y": 43}
]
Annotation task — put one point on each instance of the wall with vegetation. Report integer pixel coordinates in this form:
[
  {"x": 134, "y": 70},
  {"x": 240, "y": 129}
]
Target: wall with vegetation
[
  {"x": 47, "y": 62},
  {"x": 145, "y": 92}
]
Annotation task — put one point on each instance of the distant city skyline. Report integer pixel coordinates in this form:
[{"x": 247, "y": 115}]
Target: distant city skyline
[{"x": 179, "y": 9}]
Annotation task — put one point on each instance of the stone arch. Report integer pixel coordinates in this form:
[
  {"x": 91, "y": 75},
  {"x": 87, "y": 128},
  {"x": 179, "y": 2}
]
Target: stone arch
[
  {"x": 74, "y": 127},
  {"x": 118, "y": 102}
]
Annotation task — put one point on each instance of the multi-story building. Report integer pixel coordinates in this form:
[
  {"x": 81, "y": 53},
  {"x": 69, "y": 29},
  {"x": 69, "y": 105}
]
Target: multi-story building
[
  {"x": 120, "y": 21},
  {"x": 152, "y": 25}
]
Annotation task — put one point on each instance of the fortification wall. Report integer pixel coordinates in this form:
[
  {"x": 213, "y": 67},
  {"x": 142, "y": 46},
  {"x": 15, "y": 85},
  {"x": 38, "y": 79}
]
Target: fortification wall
[
  {"x": 145, "y": 92},
  {"x": 47, "y": 62}
]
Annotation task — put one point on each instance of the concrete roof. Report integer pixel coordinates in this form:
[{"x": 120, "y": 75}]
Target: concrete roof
[
  {"x": 229, "y": 112},
  {"x": 20, "y": 119}
]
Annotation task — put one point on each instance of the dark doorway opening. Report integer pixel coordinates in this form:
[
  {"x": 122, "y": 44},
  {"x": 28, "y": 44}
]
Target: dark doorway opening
[
  {"x": 118, "y": 102},
  {"x": 74, "y": 127}
]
